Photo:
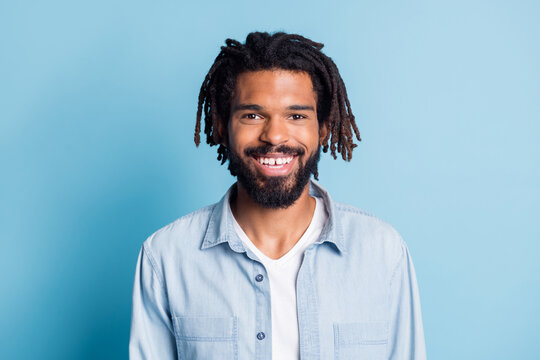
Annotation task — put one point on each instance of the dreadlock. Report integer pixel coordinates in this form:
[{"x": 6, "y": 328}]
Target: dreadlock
[{"x": 264, "y": 51}]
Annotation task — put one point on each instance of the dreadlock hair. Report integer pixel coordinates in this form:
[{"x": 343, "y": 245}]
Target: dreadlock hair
[{"x": 278, "y": 51}]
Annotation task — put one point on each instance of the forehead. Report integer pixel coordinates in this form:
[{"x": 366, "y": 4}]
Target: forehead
[{"x": 274, "y": 87}]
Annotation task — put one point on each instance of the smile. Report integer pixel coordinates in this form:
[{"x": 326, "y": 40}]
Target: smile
[{"x": 275, "y": 162}]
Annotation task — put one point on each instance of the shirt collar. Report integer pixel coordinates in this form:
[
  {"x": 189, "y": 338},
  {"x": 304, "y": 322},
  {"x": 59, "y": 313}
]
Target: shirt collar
[{"x": 220, "y": 228}]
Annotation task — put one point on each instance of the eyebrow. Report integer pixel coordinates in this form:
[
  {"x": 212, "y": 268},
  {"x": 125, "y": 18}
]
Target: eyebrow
[
  {"x": 240, "y": 107},
  {"x": 301, "y": 107},
  {"x": 246, "y": 107}
]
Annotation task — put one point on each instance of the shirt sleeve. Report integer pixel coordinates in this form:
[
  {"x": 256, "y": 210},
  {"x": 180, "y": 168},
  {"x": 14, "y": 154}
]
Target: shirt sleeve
[
  {"x": 152, "y": 335},
  {"x": 406, "y": 335}
]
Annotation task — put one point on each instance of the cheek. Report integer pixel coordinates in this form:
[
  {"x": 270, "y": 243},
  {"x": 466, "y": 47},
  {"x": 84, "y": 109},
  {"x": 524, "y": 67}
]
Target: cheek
[
  {"x": 240, "y": 136},
  {"x": 309, "y": 136}
]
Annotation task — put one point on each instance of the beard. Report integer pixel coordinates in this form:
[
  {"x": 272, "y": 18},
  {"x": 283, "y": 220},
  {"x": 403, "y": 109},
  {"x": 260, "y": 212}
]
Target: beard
[{"x": 273, "y": 192}]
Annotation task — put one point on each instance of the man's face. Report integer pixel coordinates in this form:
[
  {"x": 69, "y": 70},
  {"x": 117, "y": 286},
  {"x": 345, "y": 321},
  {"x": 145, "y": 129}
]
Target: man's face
[{"x": 273, "y": 135}]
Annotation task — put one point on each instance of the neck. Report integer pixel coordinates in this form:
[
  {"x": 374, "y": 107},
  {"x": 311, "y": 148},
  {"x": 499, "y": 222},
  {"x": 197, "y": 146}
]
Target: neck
[{"x": 273, "y": 231}]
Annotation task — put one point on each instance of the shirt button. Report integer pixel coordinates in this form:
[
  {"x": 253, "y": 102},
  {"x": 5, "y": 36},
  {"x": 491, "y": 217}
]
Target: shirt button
[
  {"x": 259, "y": 278},
  {"x": 260, "y": 336}
]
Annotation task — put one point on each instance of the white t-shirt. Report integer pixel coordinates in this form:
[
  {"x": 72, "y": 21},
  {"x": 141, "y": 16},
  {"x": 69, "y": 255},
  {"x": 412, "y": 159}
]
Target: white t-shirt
[{"x": 282, "y": 275}]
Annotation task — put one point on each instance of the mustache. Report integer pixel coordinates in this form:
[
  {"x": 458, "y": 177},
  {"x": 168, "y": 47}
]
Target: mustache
[{"x": 265, "y": 149}]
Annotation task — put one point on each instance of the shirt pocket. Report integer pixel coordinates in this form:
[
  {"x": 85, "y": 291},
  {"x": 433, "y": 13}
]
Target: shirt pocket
[
  {"x": 204, "y": 337},
  {"x": 360, "y": 340}
]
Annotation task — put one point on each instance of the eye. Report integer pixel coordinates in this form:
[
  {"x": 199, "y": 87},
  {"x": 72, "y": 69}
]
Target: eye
[
  {"x": 297, "y": 117},
  {"x": 251, "y": 116}
]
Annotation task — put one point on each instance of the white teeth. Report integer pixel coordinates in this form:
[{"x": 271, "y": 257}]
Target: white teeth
[{"x": 274, "y": 161}]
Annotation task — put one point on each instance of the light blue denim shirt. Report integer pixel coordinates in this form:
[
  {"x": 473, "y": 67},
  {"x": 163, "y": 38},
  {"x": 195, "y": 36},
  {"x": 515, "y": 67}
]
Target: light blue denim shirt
[{"x": 200, "y": 294}]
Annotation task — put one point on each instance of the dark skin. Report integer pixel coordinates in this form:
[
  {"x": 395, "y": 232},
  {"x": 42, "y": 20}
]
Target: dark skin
[{"x": 274, "y": 107}]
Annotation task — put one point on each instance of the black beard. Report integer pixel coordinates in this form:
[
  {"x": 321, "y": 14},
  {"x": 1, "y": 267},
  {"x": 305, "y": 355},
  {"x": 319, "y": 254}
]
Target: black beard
[{"x": 273, "y": 192}]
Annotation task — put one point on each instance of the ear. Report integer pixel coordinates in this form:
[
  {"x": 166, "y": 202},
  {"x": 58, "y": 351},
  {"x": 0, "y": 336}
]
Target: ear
[
  {"x": 323, "y": 131},
  {"x": 221, "y": 132}
]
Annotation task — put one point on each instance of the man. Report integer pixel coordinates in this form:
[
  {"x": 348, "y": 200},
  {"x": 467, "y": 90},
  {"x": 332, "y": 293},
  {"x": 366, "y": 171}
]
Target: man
[{"x": 276, "y": 269}]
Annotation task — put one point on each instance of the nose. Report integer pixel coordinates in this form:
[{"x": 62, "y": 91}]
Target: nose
[{"x": 274, "y": 132}]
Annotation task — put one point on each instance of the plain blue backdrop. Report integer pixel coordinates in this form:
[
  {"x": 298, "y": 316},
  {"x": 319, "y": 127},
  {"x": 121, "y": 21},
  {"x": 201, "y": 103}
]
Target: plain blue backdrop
[{"x": 97, "y": 111}]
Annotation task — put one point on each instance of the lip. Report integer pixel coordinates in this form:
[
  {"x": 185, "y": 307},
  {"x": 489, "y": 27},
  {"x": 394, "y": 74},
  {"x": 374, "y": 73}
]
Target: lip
[{"x": 276, "y": 170}]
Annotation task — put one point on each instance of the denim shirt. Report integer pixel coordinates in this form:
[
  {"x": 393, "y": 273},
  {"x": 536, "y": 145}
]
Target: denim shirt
[{"x": 200, "y": 294}]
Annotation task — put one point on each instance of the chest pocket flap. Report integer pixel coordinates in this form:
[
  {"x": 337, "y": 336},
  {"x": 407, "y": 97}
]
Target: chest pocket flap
[
  {"x": 360, "y": 340},
  {"x": 205, "y": 337}
]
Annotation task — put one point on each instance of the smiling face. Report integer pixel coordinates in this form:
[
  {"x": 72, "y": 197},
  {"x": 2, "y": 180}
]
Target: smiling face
[{"x": 274, "y": 135}]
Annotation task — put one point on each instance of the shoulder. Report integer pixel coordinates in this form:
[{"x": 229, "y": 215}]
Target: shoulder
[
  {"x": 185, "y": 232},
  {"x": 358, "y": 219},
  {"x": 364, "y": 231}
]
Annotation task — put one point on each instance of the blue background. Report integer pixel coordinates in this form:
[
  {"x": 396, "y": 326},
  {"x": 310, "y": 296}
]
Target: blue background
[{"x": 97, "y": 111}]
